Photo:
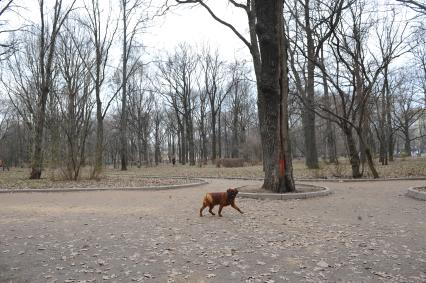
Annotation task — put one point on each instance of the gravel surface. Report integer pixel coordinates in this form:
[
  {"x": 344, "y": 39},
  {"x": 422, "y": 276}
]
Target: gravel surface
[{"x": 364, "y": 232}]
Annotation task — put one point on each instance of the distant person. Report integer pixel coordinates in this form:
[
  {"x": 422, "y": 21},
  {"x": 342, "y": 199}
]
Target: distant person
[
  {"x": 174, "y": 161},
  {"x": 3, "y": 165}
]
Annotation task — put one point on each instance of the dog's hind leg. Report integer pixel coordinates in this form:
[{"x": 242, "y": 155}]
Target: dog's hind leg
[
  {"x": 211, "y": 211},
  {"x": 201, "y": 210}
]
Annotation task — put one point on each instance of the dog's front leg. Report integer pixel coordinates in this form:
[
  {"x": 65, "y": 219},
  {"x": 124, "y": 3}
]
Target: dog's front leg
[
  {"x": 236, "y": 207},
  {"x": 220, "y": 210}
]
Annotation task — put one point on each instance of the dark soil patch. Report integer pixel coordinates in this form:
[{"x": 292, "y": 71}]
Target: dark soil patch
[
  {"x": 106, "y": 182},
  {"x": 300, "y": 188},
  {"x": 423, "y": 190}
]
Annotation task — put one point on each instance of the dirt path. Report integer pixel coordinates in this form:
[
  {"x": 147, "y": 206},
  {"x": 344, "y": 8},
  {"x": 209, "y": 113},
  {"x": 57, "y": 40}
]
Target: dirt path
[{"x": 364, "y": 232}]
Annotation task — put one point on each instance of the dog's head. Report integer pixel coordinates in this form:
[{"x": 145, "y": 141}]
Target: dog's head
[{"x": 232, "y": 193}]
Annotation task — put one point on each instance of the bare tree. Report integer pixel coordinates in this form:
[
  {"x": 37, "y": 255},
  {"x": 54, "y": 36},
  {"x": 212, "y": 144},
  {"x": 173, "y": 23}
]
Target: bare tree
[
  {"x": 177, "y": 81},
  {"x": 132, "y": 24},
  {"x": 391, "y": 45},
  {"x": 417, "y": 6},
  {"x": 238, "y": 100},
  {"x": 158, "y": 133},
  {"x": 217, "y": 89},
  {"x": 20, "y": 84},
  {"x": 419, "y": 53},
  {"x": 359, "y": 69},
  {"x": 313, "y": 22},
  {"x": 141, "y": 102},
  {"x": 74, "y": 99},
  {"x": 5, "y": 118},
  {"x": 200, "y": 116},
  {"x": 407, "y": 111},
  {"x": 101, "y": 31},
  {"x": 5, "y": 47},
  {"x": 47, "y": 45}
]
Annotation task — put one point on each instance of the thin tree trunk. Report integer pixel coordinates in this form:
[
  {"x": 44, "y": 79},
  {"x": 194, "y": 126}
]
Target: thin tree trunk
[
  {"x": 311, "y": 154},
  {"x": 219, "y": 129},
  {"x": 353, "y": 152},
  {"x": 123, "y": 121},
  {"x": 407, "y": 143},
  {"x": 37, "y": 156},
  {"x": 191, "y": 143},
  {"x": 214, "y": 146}
]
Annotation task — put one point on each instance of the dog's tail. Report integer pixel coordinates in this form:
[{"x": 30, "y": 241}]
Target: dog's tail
[{"x": 208, "y": 199}]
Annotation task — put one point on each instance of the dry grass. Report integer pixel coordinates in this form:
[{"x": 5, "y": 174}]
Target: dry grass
[
  {"x": 17, "y": 178},
  {"x": 409, "y": 167}
]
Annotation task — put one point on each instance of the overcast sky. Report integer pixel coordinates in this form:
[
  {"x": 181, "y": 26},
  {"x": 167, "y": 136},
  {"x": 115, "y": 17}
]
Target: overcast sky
[
  {"x": 194, "y": 25},
  {"x": 183, "y": 24}
]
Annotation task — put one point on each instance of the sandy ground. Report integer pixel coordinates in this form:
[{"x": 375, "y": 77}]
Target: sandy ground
[{"x": 364, "y": 232}]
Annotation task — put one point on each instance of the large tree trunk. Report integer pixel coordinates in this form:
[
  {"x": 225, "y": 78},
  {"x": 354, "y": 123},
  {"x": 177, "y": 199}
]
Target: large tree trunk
[
  {"x": 285, "y": 158},
  {"x": 272, "y": 98}
]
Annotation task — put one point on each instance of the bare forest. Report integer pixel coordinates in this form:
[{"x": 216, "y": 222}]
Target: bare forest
[{"x": 324, "y": 82}]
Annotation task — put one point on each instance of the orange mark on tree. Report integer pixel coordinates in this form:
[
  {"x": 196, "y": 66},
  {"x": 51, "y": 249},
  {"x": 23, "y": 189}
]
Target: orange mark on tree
[{"x": 282, "y": 167}]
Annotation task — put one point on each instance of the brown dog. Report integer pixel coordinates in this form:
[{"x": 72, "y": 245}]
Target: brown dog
[{"x": 221, "y": 199}]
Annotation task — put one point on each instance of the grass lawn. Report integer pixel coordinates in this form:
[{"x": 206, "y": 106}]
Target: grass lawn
[{"x": 17, "y": 178}]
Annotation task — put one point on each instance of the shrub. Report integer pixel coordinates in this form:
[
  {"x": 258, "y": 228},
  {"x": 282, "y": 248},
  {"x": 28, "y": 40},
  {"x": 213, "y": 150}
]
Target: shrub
[{"x": 231, "y": 162}]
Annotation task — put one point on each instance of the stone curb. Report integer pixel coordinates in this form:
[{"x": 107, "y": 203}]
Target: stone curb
[
  {"x": 273, "y": 196},
  {"x": 304, "y": 179},
  {"x": 209, "y": 177},
  {"x": 362, "y": 180},
  {"x": 413, "y": 193},
  {"x": 147, "y": 188}
]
